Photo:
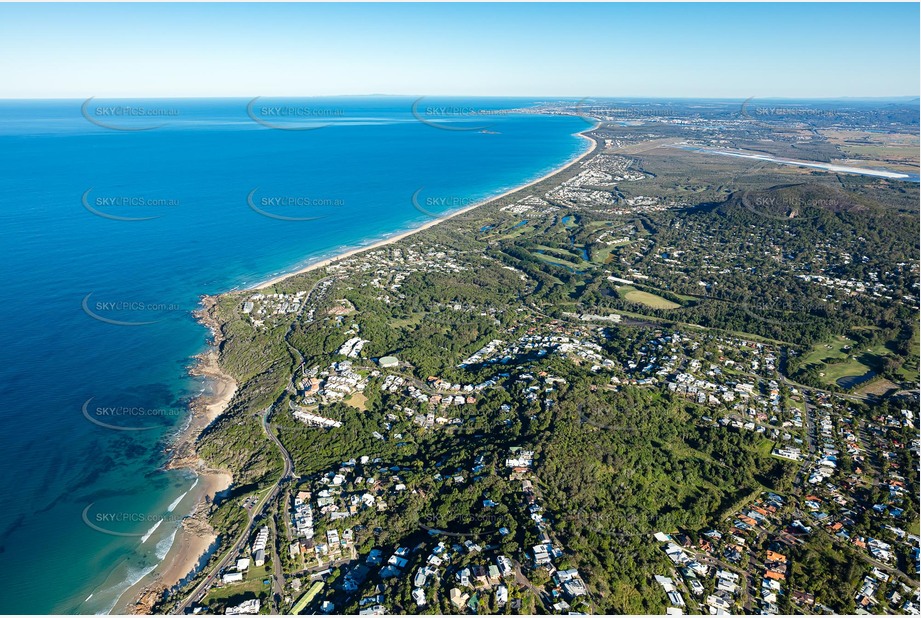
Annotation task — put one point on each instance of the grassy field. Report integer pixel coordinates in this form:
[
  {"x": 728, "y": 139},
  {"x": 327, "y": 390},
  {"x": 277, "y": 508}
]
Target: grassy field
[
  {"x": 233, "y": 594},
  {"x": 560, "y": 252},
  {"x": 552, "y": 259},
  {"x": 515, "y": 230},
  {"x": 603, "y": 256},
  {"x": 891, "y": 147},
  {"x": 630, "y": 293},
  {"x": 765, "y": 447},
  {"x": 854, "y": 362},
  {"x": 591, "y": 226},
  {"x": 413, "y": 320},
  {"x": 358, "y": 401}
]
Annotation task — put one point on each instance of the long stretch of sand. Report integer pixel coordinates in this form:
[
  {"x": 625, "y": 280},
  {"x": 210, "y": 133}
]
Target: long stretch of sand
[
  {"x": 434, "y": 222},
  {"x": 195, "y": 537}
]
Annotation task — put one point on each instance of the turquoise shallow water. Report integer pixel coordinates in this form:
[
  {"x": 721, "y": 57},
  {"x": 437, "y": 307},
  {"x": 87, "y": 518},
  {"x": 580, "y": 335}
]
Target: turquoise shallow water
[{"x": 193, "y": 181}]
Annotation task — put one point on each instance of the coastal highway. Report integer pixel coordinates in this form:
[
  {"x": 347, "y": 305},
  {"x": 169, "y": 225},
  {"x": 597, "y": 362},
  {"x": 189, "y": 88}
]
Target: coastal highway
[
  {"x": 198, "y": 592},
  {"x": 289, "y": 464},
  {"x": 257, "y": 511},
  {"x": 278, "y": 578}
]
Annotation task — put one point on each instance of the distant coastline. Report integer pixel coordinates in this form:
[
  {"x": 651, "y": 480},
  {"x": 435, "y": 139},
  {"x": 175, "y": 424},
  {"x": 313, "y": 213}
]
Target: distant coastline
[
  {"x": 193, "y": 541},
  {"x": 592, "y": 146}
]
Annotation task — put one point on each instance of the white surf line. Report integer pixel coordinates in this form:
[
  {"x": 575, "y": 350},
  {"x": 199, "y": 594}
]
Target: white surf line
[
  {"x": 151, "y": 531},
  {"x": 176, "y": 502}
]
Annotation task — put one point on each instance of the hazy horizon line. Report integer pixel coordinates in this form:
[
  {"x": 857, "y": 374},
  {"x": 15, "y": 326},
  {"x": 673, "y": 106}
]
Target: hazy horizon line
[{"x": 907, "y": 97}]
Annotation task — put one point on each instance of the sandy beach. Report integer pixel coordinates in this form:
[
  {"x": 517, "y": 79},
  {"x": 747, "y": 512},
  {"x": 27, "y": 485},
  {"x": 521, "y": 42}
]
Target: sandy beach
[
  {"x": 192, "y": 541},
  {"x": 387, "y": 241}
]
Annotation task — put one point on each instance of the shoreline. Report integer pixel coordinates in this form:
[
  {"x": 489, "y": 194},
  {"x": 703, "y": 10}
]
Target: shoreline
[
  {"x": 592, "y": 146},
  {"x": 195, "y": 536},
  {"x": 193, "y": 539}
]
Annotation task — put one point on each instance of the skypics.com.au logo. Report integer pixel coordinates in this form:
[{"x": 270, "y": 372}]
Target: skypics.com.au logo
[
  {"x": 117, "y": 311},
  {"x": 454, "y": 116},
  {"x": 117, "y": 207},
  {"x": 109, "y": 522},
  {"x": 292, "y": 207},
  {"x": 128, "y": 418},
  {"x": 126, "y": 117},
  {"x": 291, "y": 116}
]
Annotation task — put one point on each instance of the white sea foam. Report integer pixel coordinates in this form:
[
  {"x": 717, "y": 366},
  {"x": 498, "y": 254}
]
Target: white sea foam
[
  {"x": 176, "y": 502},
  {"x": 133, "y": 576},
  {"x": 151, "y": 531},
  {"x": 163, "y": 546}
]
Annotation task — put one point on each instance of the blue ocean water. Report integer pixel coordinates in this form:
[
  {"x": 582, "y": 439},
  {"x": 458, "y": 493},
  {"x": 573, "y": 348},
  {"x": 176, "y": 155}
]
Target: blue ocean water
[{"x": 115, "y": 219}]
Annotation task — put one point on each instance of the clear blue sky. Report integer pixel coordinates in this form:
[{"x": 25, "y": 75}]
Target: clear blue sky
[{"x": 671, "y": 50}]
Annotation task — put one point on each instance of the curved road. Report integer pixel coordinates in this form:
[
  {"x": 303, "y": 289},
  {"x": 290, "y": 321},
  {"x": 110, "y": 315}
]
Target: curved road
[
  {"x": 258, "y": 511},
  {"x": 255, "y": 513}
]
